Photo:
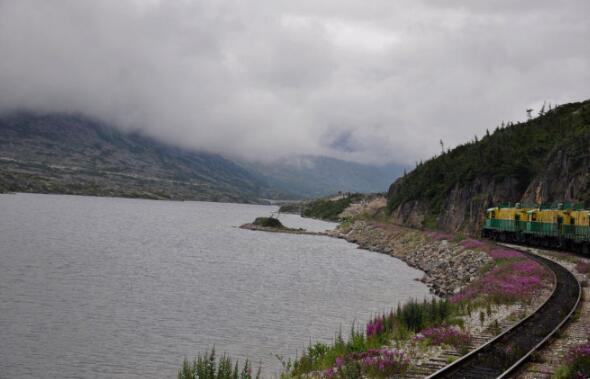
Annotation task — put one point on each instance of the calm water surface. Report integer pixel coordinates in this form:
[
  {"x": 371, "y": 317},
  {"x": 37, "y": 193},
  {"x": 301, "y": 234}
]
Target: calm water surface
[{"x": 121, "y": 288}]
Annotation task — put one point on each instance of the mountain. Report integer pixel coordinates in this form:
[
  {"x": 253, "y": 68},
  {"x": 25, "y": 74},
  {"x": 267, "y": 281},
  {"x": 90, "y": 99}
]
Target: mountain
[
  {"x": 314, "y": 176},
  {"x": 73, "y": 154},
  {"x": 64, "y": 153},
  {"x": 545, "y": 159}
]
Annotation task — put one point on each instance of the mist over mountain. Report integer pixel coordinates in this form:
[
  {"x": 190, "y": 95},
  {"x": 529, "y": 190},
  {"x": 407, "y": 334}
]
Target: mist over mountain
[
  {"x": 60, "y": 153},
  {"x": 378, "y": 81},
  {"x": 312, "y": 176}
]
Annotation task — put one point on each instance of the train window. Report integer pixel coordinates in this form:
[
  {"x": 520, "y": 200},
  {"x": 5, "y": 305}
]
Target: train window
[{"x": 572, "y": 221}]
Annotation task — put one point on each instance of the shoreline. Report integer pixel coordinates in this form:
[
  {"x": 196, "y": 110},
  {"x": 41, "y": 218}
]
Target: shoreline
[
  {"x": 447, "y": 266},
  {"x": 455, "y": 265}
]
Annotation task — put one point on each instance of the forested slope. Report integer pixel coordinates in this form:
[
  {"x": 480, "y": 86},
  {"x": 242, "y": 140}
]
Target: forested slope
[{"x": 542, "y": 160}]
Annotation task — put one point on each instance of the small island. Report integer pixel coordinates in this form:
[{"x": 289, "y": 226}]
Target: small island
[{"x": 273, "y": 224}]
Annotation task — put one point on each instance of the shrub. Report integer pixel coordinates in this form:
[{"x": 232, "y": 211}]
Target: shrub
[{"x": 268, "y": 222}]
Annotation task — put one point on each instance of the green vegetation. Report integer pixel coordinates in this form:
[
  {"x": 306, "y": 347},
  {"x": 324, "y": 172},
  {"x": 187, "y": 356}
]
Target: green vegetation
[
  {"x": 207, "y": 366},
  {"x": 268, "y": 222},
  {"x": 399, "y": 325},
  {"x": 327, "y": 209},
  {"x": 577, "y": 363},
  {"x": 517, "y": 151}
]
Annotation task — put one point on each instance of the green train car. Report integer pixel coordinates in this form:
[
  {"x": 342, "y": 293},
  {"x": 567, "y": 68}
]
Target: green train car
[{"x": 558, "y": 225}]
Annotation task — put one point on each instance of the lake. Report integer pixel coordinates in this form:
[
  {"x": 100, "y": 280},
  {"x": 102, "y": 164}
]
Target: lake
[{"x": 126, "y": 288}]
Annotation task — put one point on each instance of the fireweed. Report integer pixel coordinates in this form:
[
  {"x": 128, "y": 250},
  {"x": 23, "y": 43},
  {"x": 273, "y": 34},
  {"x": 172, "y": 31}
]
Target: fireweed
[
  {"x": 472, "y": 244},
  {"x": 577, "y": 363},
  {"x": 373, "y": 363},
  {"x": 500, "y": 253},
  {"x": 445, "y": 334},
  {"x": 514, "y": 278},
  {"x": 338, "y": 360}
]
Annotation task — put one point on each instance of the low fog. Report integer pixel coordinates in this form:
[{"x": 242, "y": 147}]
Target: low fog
[{"x": 370, "y": 81}]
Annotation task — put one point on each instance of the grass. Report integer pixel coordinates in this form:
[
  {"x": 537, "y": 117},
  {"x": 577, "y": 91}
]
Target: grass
[
  {"x": 209, "y": 366},
  {"x": 399, "y": 325}
]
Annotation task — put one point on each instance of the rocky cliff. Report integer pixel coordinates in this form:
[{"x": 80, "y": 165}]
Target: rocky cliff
[{"x": 546, "y": 159}]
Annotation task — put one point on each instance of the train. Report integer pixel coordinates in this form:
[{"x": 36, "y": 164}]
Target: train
[{"x": 561, "y": 225}]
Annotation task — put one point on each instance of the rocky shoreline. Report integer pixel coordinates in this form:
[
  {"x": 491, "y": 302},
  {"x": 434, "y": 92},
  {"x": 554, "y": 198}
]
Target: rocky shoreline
[
  {"x": 251, "y": 226},
  {"x": 447, "y": 265}
]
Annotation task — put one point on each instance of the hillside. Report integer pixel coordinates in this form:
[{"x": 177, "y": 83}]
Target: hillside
[
  {"x": 542, "y": 160},
  {"x": 72, "y": 154}
]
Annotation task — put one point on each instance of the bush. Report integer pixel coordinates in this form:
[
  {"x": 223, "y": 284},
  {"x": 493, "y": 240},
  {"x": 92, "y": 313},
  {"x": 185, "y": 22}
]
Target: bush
[{"x": 268, "y": 222}]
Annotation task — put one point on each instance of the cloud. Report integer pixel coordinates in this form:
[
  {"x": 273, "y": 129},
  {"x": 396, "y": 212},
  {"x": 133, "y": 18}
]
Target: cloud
[{"x": 366, "y": 81}]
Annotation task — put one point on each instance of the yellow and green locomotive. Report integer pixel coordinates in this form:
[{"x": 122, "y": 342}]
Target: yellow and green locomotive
[{"x": 557, "y": 225}]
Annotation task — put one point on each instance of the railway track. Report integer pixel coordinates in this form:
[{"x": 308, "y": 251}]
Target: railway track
[{"x": 502, "y": 356}]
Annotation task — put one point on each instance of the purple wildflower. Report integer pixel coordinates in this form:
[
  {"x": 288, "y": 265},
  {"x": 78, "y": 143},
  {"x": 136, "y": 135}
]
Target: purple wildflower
[
  {"x": 500, "y": 253},
  {"x": 517, "y": 278},
  {"x": 375, "y": 327},
  {"x": 472, "y": 244},
  {"x": 445, "y": 335}
]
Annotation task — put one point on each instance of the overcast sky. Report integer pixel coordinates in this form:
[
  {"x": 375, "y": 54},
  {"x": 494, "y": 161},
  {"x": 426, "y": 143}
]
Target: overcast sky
[{"x": 365, "y": 80}]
